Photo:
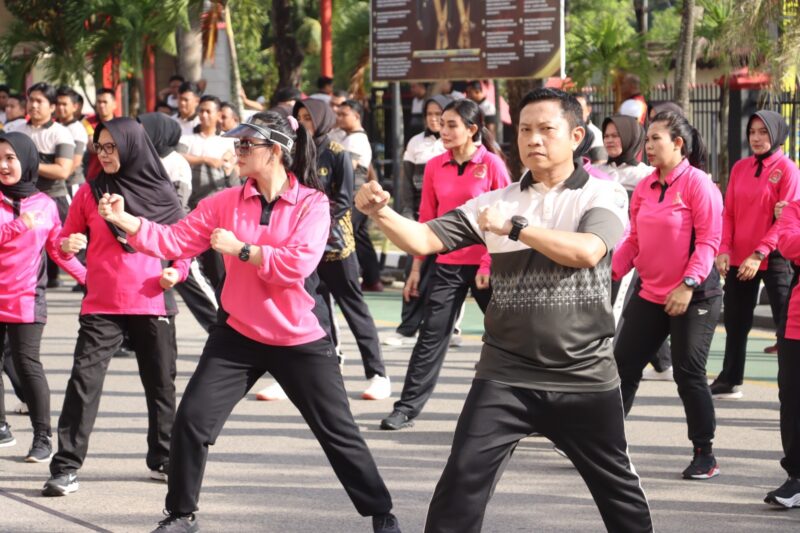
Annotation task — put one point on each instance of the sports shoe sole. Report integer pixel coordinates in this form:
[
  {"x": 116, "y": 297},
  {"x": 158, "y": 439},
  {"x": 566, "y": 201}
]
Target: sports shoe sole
[
  {"x": 32, "y": 459},
  {"x": 794, "y": 501},
  {"x": 6, "y": 444},
  {"x": 728, "y": 395},
  {"x": 366, "y": 396},
  {"x": 155, "y": 475},
  {"x": 714, "y": 472},
  {"x": 52, "y": 490}
]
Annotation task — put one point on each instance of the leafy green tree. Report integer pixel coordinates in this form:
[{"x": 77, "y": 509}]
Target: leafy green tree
[{"x": 602, "y": 42}]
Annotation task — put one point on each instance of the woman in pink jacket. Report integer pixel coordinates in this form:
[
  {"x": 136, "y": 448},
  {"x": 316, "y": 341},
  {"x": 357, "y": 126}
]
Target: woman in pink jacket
[
  {"x": 788, "y": 233},
  {"x": 29, "y": 226},
  {"x": 675, "y": 231},
  {"x": 470, "y": 167},
  {"x": 749, "y": 237},
  {"x": 125, "y": 292},
  {"x": 271, "y": 232}
]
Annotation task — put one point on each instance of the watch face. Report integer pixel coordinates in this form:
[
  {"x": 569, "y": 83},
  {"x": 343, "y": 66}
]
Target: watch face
[{"x": 519, "y": 221}]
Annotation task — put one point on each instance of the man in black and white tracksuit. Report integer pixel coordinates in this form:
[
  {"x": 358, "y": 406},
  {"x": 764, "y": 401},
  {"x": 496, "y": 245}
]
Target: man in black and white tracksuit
[{"x": 547, "y": 363}]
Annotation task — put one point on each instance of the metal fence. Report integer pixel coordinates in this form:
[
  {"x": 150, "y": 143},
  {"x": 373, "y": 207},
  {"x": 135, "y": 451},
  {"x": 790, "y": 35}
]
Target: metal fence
[{"x": 705, "y": 102}]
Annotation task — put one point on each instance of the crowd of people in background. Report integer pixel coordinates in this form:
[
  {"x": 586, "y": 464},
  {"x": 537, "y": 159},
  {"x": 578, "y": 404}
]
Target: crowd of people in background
[{"x": 269, "y": 209}]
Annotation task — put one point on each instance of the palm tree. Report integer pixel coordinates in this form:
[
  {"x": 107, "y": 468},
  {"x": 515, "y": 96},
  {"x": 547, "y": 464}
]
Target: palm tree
[{"x": 686, "y": 57}]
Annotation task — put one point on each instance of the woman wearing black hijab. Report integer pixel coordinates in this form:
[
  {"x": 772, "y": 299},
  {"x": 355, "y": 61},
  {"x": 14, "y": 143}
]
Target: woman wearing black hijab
[
  {"x": 125, "y": 291},
  {"x": 29, "y": 226},
  {"x": 623, "y": 138},
  {"x": 748, "y": 251},
  {"x": 338, "y": 270},
  {"x": 196, "y": 290}
]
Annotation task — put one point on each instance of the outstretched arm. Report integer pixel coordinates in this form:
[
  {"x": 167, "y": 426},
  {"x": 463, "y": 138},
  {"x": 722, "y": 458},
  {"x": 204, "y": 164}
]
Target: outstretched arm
[{"x": 411, "y": 236}]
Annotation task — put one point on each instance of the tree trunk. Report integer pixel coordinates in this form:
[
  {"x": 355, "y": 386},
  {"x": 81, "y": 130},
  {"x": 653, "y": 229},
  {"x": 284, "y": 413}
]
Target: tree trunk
[
  {"x": 236, "y": 78},
  {"x": 684, "y": 61},
  {"x": 516, "y": 91},
  {"x": 190, "y": 46},
  {"x": 724, "y": 116},
  {"x": 288, "y": 55}
]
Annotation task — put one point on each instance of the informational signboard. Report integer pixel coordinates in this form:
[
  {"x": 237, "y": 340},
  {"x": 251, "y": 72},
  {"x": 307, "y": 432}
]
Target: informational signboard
[{"x": 466, "y": 39}]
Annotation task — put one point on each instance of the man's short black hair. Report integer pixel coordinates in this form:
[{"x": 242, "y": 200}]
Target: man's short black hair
[
  {"x": 355, "y": 106},
  {"x": 106, "y": 90},
  {"x": 570, "y": 106},
  {"x": 19, "y": 97},
  {"x": 71, "y": 93},
  {"x": 176, "y": 77},
  {"x": 189, "y": 87},
  {"x": 324, "y": 81},
  {"x": 5, "y": 89},
  {"x": 46, "y": 89},
  {"x": 474, "y": 84},
  {"x": 211, "y": 98},
  {"x": 230, "y": 106},
  {"x": 341, "y": 93}
]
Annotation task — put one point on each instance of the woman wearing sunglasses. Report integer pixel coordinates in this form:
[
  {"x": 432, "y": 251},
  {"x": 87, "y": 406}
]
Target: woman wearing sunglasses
[
  {"x": 126, "y": 291},
  {"x": 29, "y": 225},
  {"x": 271, "y": 232}
]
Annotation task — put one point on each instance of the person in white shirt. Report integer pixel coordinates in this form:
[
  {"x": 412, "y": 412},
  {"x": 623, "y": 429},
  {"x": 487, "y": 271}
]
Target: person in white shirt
[
  {"x": 228, "y": 117},
  {"x": 68, "y": 111},
  {"x": 15, "y": 110},
  {"x": 597, "y": 152},
  {"x": 354, "y": 139},
  {"x": 212, "y": 160},
  {"x": 210, "y": 155},
  {"x": 56, "y": 149},
  {"x": 188, "y": 101},
  {"x": 475, "y": 93}
]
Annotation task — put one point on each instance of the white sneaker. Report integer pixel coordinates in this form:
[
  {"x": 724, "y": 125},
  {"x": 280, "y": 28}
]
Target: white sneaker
[
  {"x": 272, "y": 393},
  {"x": 21, "y": 408},
  {"x": 395, "y": 339},
  {"x": 651, "y": 374},
  {"x": 379, "y": 388},
  {"x": 456, "y": 341}
]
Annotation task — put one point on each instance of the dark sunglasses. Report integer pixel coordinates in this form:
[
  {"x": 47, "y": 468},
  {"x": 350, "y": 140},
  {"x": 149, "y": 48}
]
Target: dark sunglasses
[{"x": 246, "y": 147}]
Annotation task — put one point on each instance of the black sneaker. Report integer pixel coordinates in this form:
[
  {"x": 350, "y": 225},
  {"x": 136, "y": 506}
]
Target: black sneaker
[
  {"x": 385, "y": 523},
  {"x": 787, "y": 495},
  {"x": 178, "y": 524},
  {"x": 396, "y": 420},
  {"x": 703, "y": 466},
  {"x": 41, "y": 450},
  {"x": 6, "y": 437},
  {"x": 160, "y": 473},
  {"x": 61, "y": 485},
  {"x": 725, "y": 391}
]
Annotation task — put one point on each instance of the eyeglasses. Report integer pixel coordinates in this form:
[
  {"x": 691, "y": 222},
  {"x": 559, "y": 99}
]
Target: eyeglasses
[
  {"x": 246, "y": 147},
  {"x": 108, "y": 148}
]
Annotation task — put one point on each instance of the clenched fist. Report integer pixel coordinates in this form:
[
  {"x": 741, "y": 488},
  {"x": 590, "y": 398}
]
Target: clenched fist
[
  {"x": 169, "y": 278},
  {"x": 111, "y": 207},
  {"x": 225, "y": 242},
  {"x": 371, "y": 198},
  {"x": 74, "y": 243}
]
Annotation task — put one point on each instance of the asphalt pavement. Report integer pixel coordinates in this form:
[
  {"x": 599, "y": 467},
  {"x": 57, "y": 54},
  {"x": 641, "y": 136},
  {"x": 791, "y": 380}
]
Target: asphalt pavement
[{"x": 267, "y": 473}]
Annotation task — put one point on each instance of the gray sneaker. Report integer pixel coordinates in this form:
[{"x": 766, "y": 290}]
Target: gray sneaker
[
  {"x": 178, "y": 524},
  {"x": 6, "y": 437},
  {"x": 41, "y": 450},
  {"x": 61, "y": 485}
]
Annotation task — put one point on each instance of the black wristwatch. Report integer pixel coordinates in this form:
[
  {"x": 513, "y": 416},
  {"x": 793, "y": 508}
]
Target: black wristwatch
[
  {"x": 244, "y": 253},
  {"x": 690, "y": 282},
  {"x": 760, "y": 255},
  {"x": 518, "y": 224}
]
